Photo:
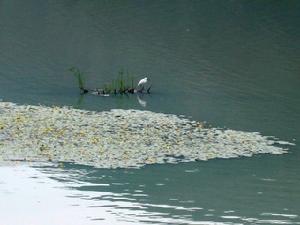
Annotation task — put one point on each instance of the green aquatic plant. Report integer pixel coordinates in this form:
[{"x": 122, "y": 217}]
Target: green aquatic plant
[
  {"x": 123, "y": 84},
  {"x": 80, "y": 78}
]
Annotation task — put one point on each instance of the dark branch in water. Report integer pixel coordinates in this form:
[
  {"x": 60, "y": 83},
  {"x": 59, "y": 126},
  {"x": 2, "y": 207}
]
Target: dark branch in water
[
  {"x": 148, "y": 89},
  {"x": 83, "y": 91}
]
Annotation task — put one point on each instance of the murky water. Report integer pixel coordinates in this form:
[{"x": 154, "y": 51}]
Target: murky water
[{"x": 232, "y": 63}]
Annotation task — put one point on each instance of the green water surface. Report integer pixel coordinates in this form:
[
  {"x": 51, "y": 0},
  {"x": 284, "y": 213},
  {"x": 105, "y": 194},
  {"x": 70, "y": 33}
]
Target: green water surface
[{"x": 234, "y": 64}]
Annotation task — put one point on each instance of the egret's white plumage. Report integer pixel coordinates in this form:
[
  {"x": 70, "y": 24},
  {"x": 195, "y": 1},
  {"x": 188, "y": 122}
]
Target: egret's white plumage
[{"x": 143, "y": 81}]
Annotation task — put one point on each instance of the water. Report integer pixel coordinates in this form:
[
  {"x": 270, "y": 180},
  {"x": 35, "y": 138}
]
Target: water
[{"x": 233, "y": 64}]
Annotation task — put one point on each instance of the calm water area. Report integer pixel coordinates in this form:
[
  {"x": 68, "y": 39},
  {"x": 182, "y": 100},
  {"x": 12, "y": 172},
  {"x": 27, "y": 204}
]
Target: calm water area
[{"x": 234, "y": 64}]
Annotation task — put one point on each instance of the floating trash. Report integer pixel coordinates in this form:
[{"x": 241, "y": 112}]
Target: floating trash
[{"x": 119, "y": 138}]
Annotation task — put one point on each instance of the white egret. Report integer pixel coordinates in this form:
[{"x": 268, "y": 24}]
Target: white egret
[
  {"x": 140, "y": 87},
  {"x": 142, "y": 82}
]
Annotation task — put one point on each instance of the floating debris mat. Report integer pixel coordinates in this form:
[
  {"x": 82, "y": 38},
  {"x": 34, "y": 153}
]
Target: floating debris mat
[{"x": 118, "y": 138}]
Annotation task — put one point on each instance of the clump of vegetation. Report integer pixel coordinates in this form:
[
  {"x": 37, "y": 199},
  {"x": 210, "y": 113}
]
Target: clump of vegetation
[
  {"x": 79, "y": 76},
  {"x": 123, "y": 84}
]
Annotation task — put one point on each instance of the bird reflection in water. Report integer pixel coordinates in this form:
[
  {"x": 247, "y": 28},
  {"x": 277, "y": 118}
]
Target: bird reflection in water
[{"x": 141, "y": 101}]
